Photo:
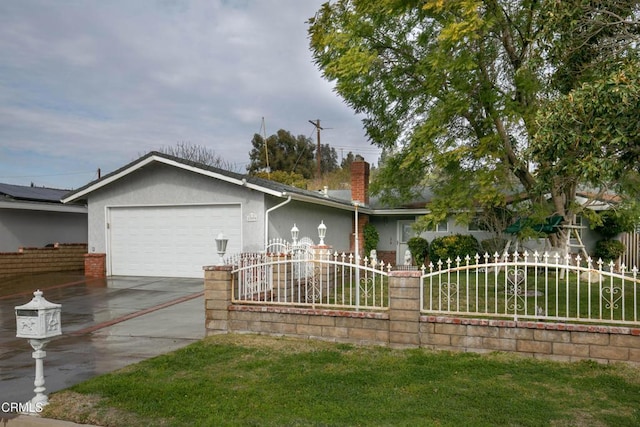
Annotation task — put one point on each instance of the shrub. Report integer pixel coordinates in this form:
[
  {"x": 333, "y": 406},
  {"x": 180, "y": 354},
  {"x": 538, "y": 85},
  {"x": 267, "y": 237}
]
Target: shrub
[
  {"x": 450, "y": 247},
  {"x": 608, "y": 250},
  {"x": 371, "y": 238},
  {"x": 613, "y": 223},
  {"x": 419, "y": 248}
]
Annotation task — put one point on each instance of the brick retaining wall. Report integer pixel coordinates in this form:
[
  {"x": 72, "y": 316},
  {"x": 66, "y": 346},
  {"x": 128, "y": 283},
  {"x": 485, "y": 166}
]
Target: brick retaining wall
[
  {"x": 556, "y": 341},
  {"x": 60, "y": 257},
  {"x": 332, "y": 325},
  {"x": 404, "y": 326}
]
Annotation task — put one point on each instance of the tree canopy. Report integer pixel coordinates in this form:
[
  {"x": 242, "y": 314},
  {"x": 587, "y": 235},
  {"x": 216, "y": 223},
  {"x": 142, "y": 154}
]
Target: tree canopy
[
  {"x": 328, "y": 159},
  {"x": 347, "y": 160},
  {"x": 290, "y": 154},
  {"x": 282, "y": 152},
  {"x": 197, "y": 153},
  {"x": 289, "y": 178},
  {"x": 485, "y": 99}
]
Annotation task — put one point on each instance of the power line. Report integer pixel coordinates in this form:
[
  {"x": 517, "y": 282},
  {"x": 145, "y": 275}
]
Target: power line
[{"x": 352, "y": 148}]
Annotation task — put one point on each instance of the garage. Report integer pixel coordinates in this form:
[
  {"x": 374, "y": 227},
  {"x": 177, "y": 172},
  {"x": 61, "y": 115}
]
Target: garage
[{"x": 169, "y": 241}]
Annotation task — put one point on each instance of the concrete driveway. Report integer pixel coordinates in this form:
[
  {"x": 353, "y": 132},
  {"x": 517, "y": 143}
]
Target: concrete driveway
[{"x": 106, "y": 324}]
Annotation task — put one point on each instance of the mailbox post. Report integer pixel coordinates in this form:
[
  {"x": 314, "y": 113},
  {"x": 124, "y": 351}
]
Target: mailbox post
[{"x": 38, "y": 321}]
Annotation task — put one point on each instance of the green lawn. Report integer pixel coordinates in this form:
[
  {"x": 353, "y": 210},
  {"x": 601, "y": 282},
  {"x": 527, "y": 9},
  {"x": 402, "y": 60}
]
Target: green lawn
[
  {"x": 563, "y": 297},
  {"x": 265, "y": 381}
]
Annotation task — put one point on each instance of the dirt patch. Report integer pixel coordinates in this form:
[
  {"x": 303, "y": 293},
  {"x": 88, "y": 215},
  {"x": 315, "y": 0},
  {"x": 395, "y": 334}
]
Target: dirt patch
[
  {"x": 579, "y": 419},
  {"x": 88, "y": 409},
  {"x": 268, "y": 342}
]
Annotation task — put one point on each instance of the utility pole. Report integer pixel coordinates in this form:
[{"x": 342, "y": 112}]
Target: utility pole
[
  {"x": 318, "y": 155},
  {"x": 263, "y": 128}
]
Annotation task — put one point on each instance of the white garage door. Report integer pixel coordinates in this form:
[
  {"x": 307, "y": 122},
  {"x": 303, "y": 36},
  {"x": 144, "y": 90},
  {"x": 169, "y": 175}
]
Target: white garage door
[{"x": 170, "y": 241}]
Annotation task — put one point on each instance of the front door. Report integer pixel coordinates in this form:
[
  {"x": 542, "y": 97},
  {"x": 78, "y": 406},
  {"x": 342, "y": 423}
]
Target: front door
[{"x": 405, "y": 232}]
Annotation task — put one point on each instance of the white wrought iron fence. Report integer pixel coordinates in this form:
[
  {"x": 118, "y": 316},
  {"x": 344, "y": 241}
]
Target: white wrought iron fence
[
  {"x": 631, "y": 241},
  {"x": 532, "y": 286},
  {"x": 302, "y": 277}
]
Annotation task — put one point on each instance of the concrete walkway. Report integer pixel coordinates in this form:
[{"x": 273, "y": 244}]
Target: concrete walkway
[{"x": 107, "y": 324}]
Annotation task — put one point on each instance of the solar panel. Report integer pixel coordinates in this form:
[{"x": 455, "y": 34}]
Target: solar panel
[{"x": 41, "y": 194}]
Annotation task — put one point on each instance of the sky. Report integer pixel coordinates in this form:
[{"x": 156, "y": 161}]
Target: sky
[{"x": 91, "y": 84}]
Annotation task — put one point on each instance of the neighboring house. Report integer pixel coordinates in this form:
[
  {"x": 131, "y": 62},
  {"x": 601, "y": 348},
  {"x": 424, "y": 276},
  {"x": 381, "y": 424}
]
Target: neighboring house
[
  {"x": 159, "y": 216},
  {"x": 35, "y": 217}
]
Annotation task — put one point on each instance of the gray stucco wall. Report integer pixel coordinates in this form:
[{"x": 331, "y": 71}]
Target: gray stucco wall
[
  {"x": 387, "y": 227},
  {"x": 29, "y": 228},
  {"x": 307, "y": 218},
  {"x": 389, "y": 230},
  {"x": 159, "y": 184}
]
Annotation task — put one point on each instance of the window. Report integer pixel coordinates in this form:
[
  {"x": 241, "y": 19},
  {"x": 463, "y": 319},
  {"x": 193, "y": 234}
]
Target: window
[
  {"x": 441, "y": 227},
  {"x": 477, "y": 224},
  {"x": 407, "y": 232}
]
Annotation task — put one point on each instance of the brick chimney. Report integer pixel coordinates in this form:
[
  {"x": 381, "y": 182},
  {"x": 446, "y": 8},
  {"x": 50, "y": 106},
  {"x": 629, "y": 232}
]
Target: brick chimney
[
  {"x": 360, "y": 180},
  {"x": 360, "y": 193}
]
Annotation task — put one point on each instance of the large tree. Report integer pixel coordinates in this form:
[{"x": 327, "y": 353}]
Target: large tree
[
  {"x": 283, "y": 152},
  {"x": 198, "y": 154},
  {"x": 328, "y": 159},
  {"x": 468, "y": 95},
  {"x": 286, "y": 153}
]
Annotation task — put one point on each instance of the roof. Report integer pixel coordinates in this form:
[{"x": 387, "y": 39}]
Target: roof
[
  {"x": 334, "y": 198},
  {"x": 35, "y": 199},
  {"x": 33, "y": 194},
  {"x": 263, "y": 185}
]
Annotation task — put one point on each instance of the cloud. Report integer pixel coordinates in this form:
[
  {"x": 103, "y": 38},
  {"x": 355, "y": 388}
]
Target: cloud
[{"x": 95, "y": 84}]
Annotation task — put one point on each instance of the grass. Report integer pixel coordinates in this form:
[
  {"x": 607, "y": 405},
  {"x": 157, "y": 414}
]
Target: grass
[{"x": 247, "y": 380}]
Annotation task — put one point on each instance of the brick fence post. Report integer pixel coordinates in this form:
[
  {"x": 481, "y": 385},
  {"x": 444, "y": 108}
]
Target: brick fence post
[
  {"x": 217, "y": 299},
  {"x": 404, "y": 308},
  {"x": 95, "y": 265}
]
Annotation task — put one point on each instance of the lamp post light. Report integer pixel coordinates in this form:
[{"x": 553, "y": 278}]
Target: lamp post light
[
  {"x": 294, "y": 234},
  {"x": 322, "y": 232},
  {"x": 221, "y": 246},
  {"x": 39, "y": 321}
]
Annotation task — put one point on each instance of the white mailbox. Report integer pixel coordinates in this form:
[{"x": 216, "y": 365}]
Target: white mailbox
[{"x": 38, "y": 319}]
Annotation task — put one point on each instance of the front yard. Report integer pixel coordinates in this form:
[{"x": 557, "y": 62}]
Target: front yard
[{"x": 266, "y": 381}]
